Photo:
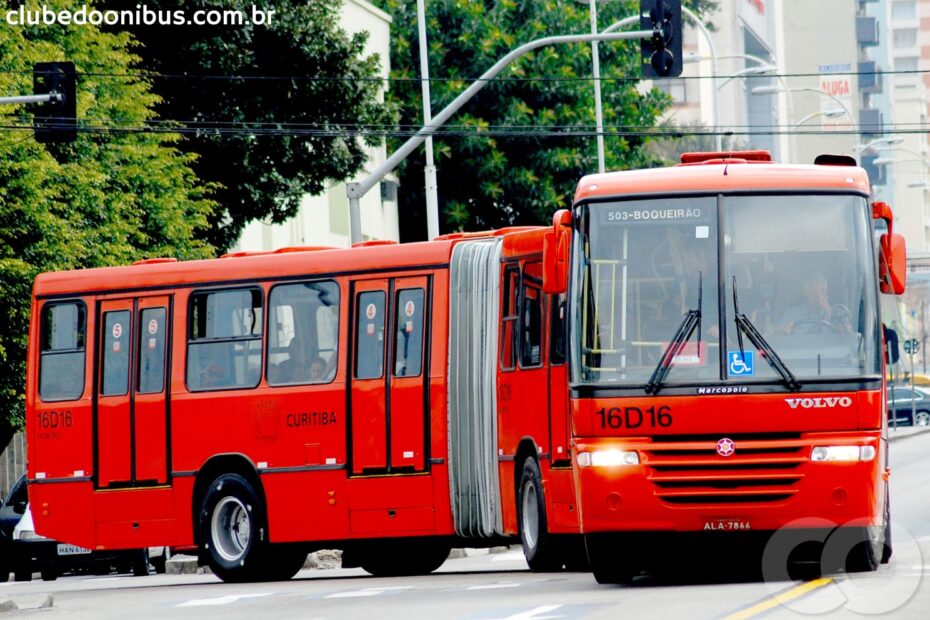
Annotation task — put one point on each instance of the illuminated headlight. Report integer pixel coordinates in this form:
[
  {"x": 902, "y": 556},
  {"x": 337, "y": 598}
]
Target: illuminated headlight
[
  {"x": 843, "y": 453},
  {"x": 607, "y": 458}
]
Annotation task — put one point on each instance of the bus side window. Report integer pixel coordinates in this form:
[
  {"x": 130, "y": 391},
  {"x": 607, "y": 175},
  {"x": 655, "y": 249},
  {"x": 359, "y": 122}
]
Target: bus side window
[
  {"x": 304, "y": 333},
  {"x": 408, "y": 334},
  {"x": 369, "y": 335},
  {"x": 509, "y": 319},
  {"x": 62, "y": 359},
  {"x": 530, "y": 327},
  {"x": 224, "y": 339},
  {"x": 557, "y": 329},
  {"x": 115, "y": 338}
]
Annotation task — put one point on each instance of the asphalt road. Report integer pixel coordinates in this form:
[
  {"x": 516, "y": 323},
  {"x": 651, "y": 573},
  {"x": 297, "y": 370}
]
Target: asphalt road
[{"x": 498, "y": 586}]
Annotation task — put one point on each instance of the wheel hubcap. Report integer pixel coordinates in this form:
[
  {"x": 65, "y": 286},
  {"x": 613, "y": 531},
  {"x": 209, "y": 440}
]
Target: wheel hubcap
[
  {"x": 231, "y": 528},
  {"x": 530, "y": 515}
]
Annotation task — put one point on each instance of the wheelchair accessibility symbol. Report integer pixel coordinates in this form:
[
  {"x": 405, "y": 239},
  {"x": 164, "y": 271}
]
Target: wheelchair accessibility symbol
[{"x": 741, "y": 365}]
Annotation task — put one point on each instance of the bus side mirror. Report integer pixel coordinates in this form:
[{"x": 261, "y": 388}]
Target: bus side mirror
[
  {"x": 555, "y": 253},
  {"x": 892, "y": 264},
  {"x": 892, "y": 352},
  {"x": 892, "y": 261}
]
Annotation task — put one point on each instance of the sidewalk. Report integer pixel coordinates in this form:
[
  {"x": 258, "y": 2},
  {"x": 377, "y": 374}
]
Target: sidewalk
[{"x": 905, "y": 431}]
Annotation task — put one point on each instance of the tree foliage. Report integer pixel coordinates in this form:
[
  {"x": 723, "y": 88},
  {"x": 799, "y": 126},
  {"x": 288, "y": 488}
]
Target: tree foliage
[
  {"x": 264, "y": 177},
  {"x": 106, "y": 199},
  {"x": 489, "y": 176}
]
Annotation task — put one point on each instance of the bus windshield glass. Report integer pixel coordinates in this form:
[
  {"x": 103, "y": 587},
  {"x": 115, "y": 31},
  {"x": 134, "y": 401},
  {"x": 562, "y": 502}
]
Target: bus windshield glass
[{"x": 803, "y": 270}]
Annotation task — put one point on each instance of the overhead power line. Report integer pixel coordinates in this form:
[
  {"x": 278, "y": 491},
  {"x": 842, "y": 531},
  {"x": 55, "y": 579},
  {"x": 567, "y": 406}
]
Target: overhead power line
[
  {"x": 535, "y": 132},
  {"x": 144, "y": 75}
]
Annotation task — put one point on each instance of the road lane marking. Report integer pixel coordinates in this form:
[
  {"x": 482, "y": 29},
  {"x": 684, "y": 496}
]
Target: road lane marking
[
  {"x": 780, "y": 599},
  {"x": 367, "y": 592},
  {"x": 221, "y": 600},
  {"x": 533, "y": 614},
  {"x": 495, "y": 586}
]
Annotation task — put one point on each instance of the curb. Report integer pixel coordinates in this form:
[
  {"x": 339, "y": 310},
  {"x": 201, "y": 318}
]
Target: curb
[
  {"x": 23, "y": 603},
  {"x": 185, "y": 565},
  {"x": 907, "y": 431}
]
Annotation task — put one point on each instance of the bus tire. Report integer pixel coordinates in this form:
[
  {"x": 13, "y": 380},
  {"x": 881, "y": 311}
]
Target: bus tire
[
  {"x": 887, "y": 549},
  {"x": 611, "y": 562},
  {"x": 864, "y": 547},
  {"x": 539, "y": 548},
  {"x": 232, "y": 529},
  {"x": 140, "y": 564}
]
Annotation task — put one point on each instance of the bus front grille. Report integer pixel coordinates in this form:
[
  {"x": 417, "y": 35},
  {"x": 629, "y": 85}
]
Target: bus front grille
[{"x": 689, "y": 470}]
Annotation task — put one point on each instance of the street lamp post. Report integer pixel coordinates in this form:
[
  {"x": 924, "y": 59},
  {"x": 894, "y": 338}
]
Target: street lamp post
[
  {"x": 831, "y": 113},
  {"x": 355, "y": 191}
]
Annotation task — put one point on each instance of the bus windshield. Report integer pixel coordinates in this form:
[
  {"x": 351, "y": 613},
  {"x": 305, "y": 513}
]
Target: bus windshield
[{"x": 803, "y": 271}]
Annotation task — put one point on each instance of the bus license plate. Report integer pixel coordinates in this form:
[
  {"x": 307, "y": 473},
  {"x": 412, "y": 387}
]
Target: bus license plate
[
  {"x": 71, "y": 550},
  {"x": 727, "y": 525}
]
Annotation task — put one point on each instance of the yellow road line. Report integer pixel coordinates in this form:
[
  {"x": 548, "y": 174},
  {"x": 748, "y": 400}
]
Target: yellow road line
[{"x": 779, "y": 599}]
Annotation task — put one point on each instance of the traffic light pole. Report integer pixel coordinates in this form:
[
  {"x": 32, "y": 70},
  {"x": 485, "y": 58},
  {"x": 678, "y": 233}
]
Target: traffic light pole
[
  {"x": 31, "y": 99},
  {"x": 355, "y": 191}
]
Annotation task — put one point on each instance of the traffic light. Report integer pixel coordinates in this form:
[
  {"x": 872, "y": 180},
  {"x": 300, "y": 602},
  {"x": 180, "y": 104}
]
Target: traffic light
[
  {"x": 661, "y": 54},
  {"x": 56, "y": 120}
]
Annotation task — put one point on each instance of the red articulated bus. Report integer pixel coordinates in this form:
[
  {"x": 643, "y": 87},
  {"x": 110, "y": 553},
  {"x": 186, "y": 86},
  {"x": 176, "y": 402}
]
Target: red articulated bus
[
  {"x": 263, "y": 405},
  {"x": 694, "y": 350}
]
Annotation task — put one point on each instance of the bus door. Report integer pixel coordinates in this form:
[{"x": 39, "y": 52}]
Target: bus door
[
  {"x": 523, "y": 386},
  {"x": 388, "y": 392},
  {"x": 559, "y": 427},
  {"x": 130, "y": 390}
]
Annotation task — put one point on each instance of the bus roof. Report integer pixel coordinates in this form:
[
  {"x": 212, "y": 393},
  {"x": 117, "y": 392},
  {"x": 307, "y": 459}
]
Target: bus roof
[
  {"x": 242, "y": 267},
  {"x": 724, "y": 172}
]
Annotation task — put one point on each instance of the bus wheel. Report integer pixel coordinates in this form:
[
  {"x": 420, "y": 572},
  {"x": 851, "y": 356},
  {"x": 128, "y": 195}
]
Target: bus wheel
[
  {"x": 232, "y": 529},
  {"x": 140, "y": 563},
  {"x": 887, "y": 550},
  {"x": 610, "y": 561},
  {"x": 404, "y": 558},
  {"x": 865, "y": 546},
  {"x": 538, "y": 547}
]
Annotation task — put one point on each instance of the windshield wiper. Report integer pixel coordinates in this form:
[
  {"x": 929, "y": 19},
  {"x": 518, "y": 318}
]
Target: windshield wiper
[
  {"x": 689, "y": 322},
  {"x": 743, "y": 324}
]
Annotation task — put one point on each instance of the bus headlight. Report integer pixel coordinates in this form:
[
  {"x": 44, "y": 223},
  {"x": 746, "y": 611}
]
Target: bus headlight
[
  {"x": 608, "y": 458},
  {"x": 843, "y": 453}
]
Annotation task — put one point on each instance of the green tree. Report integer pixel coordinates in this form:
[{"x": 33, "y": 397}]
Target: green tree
[
  {"x": 107, "y": 199},
  {"x": 489, "y": 174},
  {"x": 333, "y": 87}
]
